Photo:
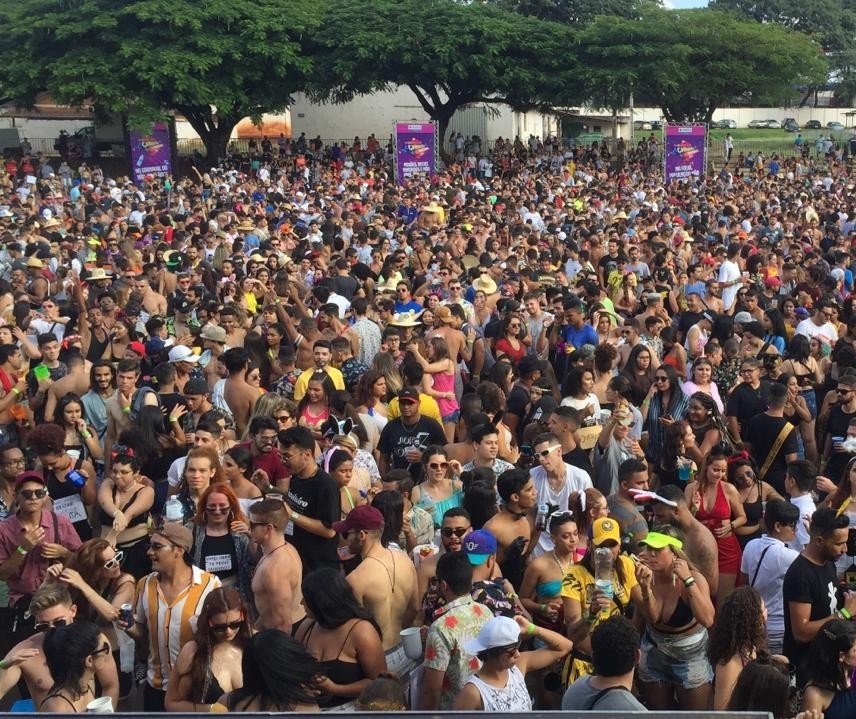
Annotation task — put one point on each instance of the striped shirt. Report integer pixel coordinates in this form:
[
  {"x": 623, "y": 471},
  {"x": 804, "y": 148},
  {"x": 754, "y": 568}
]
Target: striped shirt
[{"x": 169, "y": 625}]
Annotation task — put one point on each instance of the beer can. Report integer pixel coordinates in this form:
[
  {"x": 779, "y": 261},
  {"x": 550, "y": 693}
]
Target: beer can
[{"x": 126, "y": 614}]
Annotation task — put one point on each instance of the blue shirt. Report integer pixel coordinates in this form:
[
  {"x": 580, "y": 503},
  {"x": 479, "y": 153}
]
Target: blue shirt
[
  {"x": 585, "y": 335},
  {"x": 407, "y": 306}
]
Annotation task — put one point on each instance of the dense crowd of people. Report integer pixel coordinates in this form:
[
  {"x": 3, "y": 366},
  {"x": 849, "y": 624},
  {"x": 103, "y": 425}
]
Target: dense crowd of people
[{"x": 539, "y": 432}]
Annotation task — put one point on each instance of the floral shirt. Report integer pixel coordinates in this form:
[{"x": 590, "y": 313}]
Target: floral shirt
[{"x": 460, "y": 621}]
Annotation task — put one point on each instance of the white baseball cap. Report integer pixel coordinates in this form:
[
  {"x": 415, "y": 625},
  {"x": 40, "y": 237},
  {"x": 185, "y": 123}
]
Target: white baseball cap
[
  {"x": 497, "y": 632},
  {"x": 180, "y": 353}
]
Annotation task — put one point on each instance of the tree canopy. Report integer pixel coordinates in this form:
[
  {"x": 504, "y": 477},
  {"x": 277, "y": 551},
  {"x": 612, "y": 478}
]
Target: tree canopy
[
  {"x": 214, "y": 62},
  {"x": 577, "y": 13},
  {"x": 690, "y": 62},
  {"x": 450, "y": 55}
]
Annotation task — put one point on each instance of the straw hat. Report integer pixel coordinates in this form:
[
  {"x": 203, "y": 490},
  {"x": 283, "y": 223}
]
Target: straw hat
[
  {"x": 98, "y": 274},
  {"x": 406, "y": 319},
  {"x": 485, "y": 284},
  {"x": 389, "y": 284}
]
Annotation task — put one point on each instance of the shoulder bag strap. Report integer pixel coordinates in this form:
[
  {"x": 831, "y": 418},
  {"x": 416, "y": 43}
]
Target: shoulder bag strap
[
  {"x": 760, "y": 562},
  {"x": 600, "y": 695},
  {"x": 774, "y": 450}
]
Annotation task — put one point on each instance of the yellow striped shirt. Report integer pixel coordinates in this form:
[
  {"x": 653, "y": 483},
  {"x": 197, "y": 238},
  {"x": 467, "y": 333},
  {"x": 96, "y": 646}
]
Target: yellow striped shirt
[{"x": 169, "y": 625}]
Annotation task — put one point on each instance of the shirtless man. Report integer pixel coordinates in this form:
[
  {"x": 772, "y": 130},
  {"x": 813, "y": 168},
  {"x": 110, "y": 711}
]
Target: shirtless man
[
  {"x": 699, "y": 543},
  {"x": 460, "y": 346},
  {"x": 51, "y": 606},
  {"x": 239, "y": 394},
  {"x": 276, "y": 582},
  {"x": 235, "y": 335},
  {"x": 76, "y": 381},
  {"x": 515, "y": 518},
  {"x": 153, "y": 302},
  {"x": 385, "y": 582}
]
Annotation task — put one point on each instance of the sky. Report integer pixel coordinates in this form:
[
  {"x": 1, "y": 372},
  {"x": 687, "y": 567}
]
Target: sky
[{"x": 683, "y": 4}]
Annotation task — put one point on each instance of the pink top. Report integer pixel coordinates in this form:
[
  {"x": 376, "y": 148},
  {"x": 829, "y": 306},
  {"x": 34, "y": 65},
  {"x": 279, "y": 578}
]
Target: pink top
[
  {"x": 444, "y": 382},
  {"x": 690, "y": 388},
  {"x": 34, "y": 567}
]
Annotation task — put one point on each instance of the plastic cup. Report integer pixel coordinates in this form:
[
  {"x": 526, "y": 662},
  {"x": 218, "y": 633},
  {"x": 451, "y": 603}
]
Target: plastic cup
[
  {"x": 75, "y": 455},
  {"x": 102, "y": 705},
  {"x": 411, "y": 638}
]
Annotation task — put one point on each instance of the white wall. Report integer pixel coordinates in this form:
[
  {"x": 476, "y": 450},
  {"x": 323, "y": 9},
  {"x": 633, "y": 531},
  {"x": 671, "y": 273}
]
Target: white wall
[{"x": 42, "y": 129}]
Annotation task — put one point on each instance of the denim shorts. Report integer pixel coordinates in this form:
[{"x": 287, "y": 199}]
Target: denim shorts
[
  {"x": 452, "y": 417},
  {"x": 681, "y": 663}
]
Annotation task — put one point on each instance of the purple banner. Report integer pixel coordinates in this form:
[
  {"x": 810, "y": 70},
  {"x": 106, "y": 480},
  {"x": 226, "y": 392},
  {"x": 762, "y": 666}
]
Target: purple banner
[
  {"x": 150, "y": 152},
  {"x": 414, "y": 149},
  {"x": 685, "y": 145}
]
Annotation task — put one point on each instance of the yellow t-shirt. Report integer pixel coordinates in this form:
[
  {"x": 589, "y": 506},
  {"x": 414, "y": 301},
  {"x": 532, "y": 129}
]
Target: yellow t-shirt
[
  {"x": 303, "y": 381},
  {"x": 579, "y": 584},
  {"x": 427, "y": 408}
]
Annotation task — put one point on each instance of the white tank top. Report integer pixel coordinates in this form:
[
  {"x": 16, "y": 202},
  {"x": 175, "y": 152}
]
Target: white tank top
[{"x": 513, "y": 697}]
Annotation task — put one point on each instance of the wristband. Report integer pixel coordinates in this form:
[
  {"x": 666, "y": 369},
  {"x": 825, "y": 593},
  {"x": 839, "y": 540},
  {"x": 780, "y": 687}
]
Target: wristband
[
  {"x": 20, "y": 550},
  {"x": 86, "y": 434},
  {"x": 2, "y": 665},
  {"x": 16, "y": 391},
  {"x": 173, "y": 419},
  {"x": 542, "y": 608},
  {"x": 295, "y": 515},
  {"x": 126, "y": 410},
  {"x": 590, "y": 618},
  {"x": 844, "y": 613},
  {"x": 689, "y": 581},
  {"x": 531, "y": 629}
]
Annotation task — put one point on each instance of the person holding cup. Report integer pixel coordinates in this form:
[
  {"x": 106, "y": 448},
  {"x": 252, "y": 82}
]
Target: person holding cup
[{"x": 73, "y": 653}]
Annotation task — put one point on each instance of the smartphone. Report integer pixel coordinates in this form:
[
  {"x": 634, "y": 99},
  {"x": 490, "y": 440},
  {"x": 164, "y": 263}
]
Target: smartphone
[{"x": 527, "y": 450}]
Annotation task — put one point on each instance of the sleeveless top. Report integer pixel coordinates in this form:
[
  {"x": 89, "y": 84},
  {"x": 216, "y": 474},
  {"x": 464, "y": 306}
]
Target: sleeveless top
[
  {"x": 754, "y": 511},
  {"x": 842, "y": 706},
  {"x": 513, "y": 697},
  {"x": 338, "y": 671},
  {"x": 107, "y": 520},
  {"x": 211, "y": 689},
  {"x": 73, "y": 508},
  {"x": 729, "y": 548},
  {"x": 444, "y": 382}
]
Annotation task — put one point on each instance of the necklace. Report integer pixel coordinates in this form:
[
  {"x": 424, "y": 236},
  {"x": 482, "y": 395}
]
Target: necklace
[
  {"x": 516, "y": 515},
  {"x": 565, "y": 569},
  {"x": 265, "y": 556},
  {"x": 389, "y": 574}
]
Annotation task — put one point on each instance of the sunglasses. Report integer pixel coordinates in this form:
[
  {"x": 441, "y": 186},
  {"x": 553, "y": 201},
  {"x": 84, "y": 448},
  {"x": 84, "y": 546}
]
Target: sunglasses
[
  {"x": 43, "y": 626},
  {"x": 661, "y": 379},
  {"x": 115, "y": 561},
  {"x": 253, "y": 525},
  {"x": 510, "y": 650},
  {"x": 839, "y": 391},
  {"x": 105, "y": 649},
  {"x": 217, "y": 509},
  {"x": 34, "y": 493},
  {"x": 545, "y": 452},
  {"x": 223, "y": 628},
  {"x": 438, "y": 465},
  {"x": 283, "y": 418},
  {"x": 457, "y": 531},
  {"x": 157, "y": 546}
]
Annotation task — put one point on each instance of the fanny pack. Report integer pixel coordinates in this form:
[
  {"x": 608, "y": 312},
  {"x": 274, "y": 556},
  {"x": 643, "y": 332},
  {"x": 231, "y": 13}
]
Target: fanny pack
[{"x": 681, "y": 647}]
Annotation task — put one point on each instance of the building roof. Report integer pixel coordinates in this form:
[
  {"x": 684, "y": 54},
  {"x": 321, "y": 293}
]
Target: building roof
[{"x": 45, "y": 108}]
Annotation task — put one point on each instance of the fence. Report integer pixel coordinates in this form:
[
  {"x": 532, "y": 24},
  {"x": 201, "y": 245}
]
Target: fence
[{"x": 459, "y": 715}]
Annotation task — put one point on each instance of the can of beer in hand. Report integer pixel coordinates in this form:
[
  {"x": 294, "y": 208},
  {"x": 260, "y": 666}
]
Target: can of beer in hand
[{"x": 126, "y": 614}]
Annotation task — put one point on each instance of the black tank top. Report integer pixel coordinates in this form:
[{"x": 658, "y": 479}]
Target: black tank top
[
  {"x": 96, "y": 348},
  {"x": 338, "y": 671},
  {"x": 61, "y": 490},
  {"x": 107, "y": 520}
]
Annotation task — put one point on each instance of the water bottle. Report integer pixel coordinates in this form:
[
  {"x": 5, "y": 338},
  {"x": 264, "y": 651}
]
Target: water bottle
[
  {"x": 603, "y": 570},
  {"x": 174, "y": 510},
  {"x": 541, "y": 517}
]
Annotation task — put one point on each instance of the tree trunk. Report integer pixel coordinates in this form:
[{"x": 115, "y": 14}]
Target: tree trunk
[
  {"x": 216, "y": 141},
  {"x": 213, "y": 130},
  {"x": 442, "y": 117}
]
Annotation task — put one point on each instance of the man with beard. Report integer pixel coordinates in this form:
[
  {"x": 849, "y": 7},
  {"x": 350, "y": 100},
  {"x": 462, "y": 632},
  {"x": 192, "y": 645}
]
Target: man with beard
[
  {"x": 102, "y": 381},
  {"x": 385, "y": 581},
  {"x": 455, "y": 526}
]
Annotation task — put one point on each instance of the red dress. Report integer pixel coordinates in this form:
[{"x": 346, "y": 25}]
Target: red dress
[{"x": 729, "y": 547}]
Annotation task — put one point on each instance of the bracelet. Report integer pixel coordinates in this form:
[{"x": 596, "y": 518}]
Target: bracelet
[
  {"x": 20, "y": 550},
  {"x": 86, "y": 434},
  {"x": 295, "y": 515},
  {"x": 542, "y": 608},
  {"x": 531, "y": 629},
  {"x": 590, "y": 618},
  {"x": 2, "y": 665},
  {"x": 173, "y": 419},
  {"x": 16, "y": 391},
  {"x": 689, "y": 581},
  {"x": 845, "y": 613},
  {"x": 126, "y": 410}
]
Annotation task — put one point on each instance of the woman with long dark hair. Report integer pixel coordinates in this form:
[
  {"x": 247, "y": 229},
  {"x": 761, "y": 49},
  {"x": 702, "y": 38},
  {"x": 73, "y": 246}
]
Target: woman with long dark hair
[
  {"x": 828, "y": 670},
  {"x": 764, "y": 686},
  {"x": 279, "y": 675},
  {"x": 341, "y": 635},
  {"x": 391, "y": 505},
  {"x": 80, "y": 436},
  {"x": 371, "y": 396},
  {"x": 800, "y": 363},
  {"x": 708, "y": 428},
  {"x": 664, "y": 404},
  {"x": 314, "y": 408},
  {"x": 738, "y": 634},
  {"x": 754, "y": 494},
  {"x": 441, "y": 489},
  {"x": 209, "y": 665},
  {"x": 639, "y": 370},
  {"x": 238, "y": 468},
  {"x": 480, "y": 497},
  {"x": 73, "y": 653}
]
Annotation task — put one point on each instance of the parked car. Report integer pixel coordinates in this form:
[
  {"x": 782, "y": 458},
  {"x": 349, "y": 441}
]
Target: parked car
[
  {"x": 812, "y": 125},
  {"x": 765, "y": 124},
  {"x": 724, "y": 124},
  {"x": 641, "y": 125},
  {"x": 790, "y": 125},
  {"x": 656, "y": 124},
  {"x": 834, "y": 126}
]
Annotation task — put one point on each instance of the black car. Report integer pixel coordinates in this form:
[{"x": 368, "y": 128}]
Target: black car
[
  {"x": 790, "y": 125},
  {"x": 812, "y": 125}
]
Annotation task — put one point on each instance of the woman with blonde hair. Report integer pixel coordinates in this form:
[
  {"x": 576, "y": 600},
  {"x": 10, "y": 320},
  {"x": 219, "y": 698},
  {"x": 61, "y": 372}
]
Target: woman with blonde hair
[
  {"x": 384, "y": 362},
  {"x": 266, "y": 406}
]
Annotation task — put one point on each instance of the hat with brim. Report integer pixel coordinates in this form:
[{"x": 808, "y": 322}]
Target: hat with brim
[
  {"x": 214, "y": 333},
  {"x": 469, "y": 261},
  {"x": 363, "y": 518},
  {"x": 52, "y": 222},
  {"x": 605, "y": 529},
  {"x": 246, "y": 227},
  {"x": 484, "y": 283},
  {"x": 98, "y": 274},
  {"x": 655, "y": 540},
  {"x": 30, "y": 477},
  {"x": 35, "y": 263},
  {"x": 479, "y": 546},
  {"x": 390, "y": 284},
  {"x": 406, "y": 319},
  {"x": 497, "y": 632},
  {"x": 176, "y": 533},
  {"x": 443, "y": 314}
]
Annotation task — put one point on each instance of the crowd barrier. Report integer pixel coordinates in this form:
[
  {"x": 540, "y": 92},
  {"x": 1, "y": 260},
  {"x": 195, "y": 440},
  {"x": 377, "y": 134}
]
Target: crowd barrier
[{"x": 474, "y": 715}]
